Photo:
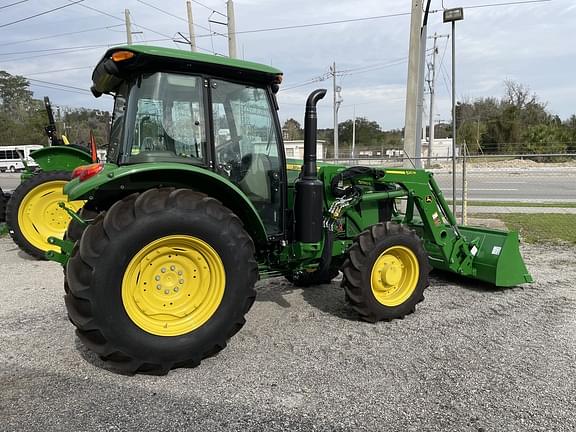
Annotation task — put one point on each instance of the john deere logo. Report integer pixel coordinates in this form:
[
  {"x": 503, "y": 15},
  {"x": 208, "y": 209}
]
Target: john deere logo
[{"x": 428, "y": 199}]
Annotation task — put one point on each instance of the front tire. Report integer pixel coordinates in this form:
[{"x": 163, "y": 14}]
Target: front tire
[
  {"x": 386, "y": 272},
  {"x": 33, "y": 214},
  {"x": 163, "y": 280}
]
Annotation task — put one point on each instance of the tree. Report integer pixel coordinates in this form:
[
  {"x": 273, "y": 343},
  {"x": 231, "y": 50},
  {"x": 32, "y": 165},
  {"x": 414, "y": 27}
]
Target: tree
[
  {"x": 368, "y": 133},
  {"x": 292, "y": 130},
  {"x": 15, "y": 97}
]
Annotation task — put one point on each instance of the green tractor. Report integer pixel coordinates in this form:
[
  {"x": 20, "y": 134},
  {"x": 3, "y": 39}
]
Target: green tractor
[
  {"x": 32, "y": 211},
  {"x": 197, "y": 202}
]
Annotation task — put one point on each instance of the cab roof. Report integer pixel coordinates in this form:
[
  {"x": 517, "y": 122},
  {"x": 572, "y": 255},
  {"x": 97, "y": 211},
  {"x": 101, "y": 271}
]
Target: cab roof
[{"x": 152, "y": 59}]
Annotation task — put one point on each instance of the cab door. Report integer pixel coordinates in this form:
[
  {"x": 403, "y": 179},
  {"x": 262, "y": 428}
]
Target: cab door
[{"x": 248, "y": 147}]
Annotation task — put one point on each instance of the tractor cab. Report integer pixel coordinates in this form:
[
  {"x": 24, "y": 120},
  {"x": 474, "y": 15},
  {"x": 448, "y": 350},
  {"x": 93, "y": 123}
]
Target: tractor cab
[{"x": 214, "y": 113}]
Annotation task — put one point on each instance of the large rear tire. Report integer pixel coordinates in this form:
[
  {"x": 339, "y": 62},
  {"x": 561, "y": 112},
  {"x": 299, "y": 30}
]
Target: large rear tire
[
  {"x": 33, "y": 214},
  {"x": 163, "y": 280},
  {"x": 386, "y": 272}
]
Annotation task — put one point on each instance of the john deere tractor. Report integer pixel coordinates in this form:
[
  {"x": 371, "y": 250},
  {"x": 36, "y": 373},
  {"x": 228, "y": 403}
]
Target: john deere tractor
[
  {"x": 32, "y": 212},
  {"x": 196, "y": 202}
]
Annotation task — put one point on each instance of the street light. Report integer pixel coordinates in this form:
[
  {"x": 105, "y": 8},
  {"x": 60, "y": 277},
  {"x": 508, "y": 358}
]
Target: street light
[{"x": 453, "y": 15}]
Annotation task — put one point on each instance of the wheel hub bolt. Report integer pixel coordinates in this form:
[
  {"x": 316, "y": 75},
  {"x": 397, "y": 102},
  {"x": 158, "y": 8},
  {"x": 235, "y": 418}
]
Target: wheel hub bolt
[
  {"x": 181, "y": 281},
  {"x": 180, "y": 273},
  {"x": 167, "y": 291},
  {"x": 158, "y": 286},
  {"x": 163, "y": 270},
  {"x": 157, "y": 278},
  {"x": 175, "y": 289},
  {"x": 172, "y": 268}
]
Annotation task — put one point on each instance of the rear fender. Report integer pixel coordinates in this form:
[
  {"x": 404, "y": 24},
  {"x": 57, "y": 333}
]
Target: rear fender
[
  {"x": 114, "y": 182},
  {"x": 60, "y": 158}
]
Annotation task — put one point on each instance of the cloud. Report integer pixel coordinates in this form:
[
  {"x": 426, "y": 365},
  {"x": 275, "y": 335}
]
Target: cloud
[{"x": 528, "y": 43}]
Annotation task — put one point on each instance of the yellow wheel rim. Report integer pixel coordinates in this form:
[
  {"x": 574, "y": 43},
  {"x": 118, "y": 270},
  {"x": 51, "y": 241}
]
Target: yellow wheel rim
[
  {"x": 394, "y": 276},
  {"x": 40, "y": 217},
  {"x": 173, "y": 285}
]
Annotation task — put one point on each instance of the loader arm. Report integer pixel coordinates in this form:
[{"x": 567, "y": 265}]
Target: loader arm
[{"x": 489, "y": 255}]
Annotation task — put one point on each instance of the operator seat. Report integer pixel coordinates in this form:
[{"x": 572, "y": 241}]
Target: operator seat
[{"x": 256, "y": 181}]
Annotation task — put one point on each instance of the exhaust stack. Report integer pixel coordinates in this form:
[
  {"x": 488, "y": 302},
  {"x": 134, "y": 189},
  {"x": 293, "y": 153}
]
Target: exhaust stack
[{"x": 309, "y": 198}]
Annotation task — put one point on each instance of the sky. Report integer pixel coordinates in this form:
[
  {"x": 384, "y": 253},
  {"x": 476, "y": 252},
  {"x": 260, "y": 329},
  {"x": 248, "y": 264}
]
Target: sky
[{"x": 528, "y": 43}]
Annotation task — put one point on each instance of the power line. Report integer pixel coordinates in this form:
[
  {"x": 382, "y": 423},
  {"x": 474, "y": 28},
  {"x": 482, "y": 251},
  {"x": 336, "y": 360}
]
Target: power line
[
  {"x": 59, "y": 89},
  {"x": 57, "y": 49},
  {"x": 116, "y": 17},
  {"x": 208, "y": 7},
  {"x": 59, "y": 35},
  {"x": 41, "y": 13},
  {"x": 178, "y": 17},
  {"x": 60, "y": 70},
  {"x": 506, "y": 3},
  {"x": 71, "y": 50},
  {"x": 57, "y": 84},
  {"x": 13, "y": 4},
  {"x": 318, "y": 24}
]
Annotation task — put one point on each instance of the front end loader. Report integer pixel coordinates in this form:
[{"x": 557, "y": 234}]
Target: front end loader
[{"x": 197, "y": 202}]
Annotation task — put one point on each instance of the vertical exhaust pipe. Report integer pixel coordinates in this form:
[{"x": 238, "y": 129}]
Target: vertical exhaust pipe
[{"x": 309, "y": 199}]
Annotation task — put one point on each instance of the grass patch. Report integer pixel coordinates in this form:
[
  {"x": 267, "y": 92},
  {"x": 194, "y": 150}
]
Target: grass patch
[
  {"x": 3, "y": 229},
  {"x": 540, "y": 227}
]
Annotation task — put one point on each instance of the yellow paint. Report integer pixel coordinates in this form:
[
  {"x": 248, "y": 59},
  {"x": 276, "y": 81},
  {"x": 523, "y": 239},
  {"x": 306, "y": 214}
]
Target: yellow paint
[
  {"x": 40, "y": 216},
  {"x": 394, "y": 276},
  {"x": 173, "y": 285}
]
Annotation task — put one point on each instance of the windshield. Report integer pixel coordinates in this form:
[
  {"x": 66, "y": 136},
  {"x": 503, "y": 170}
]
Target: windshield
[{"x": 165, "y": 119}]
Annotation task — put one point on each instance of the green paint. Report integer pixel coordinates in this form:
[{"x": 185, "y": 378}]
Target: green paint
[
  {"x": 60, "y": 158},
  {"x": 197, "y": 57},
  {"x": 143, "y": 176}
]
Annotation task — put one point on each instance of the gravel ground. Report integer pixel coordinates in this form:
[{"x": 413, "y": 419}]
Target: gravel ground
[{"x": 471, "y": 358}]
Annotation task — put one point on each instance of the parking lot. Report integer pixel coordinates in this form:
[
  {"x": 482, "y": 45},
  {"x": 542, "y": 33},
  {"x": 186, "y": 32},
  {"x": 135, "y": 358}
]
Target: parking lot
[{"x": 472, "y": 358}]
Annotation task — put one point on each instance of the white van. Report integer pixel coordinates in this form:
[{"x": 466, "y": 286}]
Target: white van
[{"x": 12, "y": 157}]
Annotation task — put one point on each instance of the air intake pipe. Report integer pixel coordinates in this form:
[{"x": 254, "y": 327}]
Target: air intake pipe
[{"x": 309, "y": 196}]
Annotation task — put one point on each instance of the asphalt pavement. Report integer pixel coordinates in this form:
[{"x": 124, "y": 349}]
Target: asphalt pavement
[
  {"x": 526, "y": 185},
  {"x": 471, "y": 358}
]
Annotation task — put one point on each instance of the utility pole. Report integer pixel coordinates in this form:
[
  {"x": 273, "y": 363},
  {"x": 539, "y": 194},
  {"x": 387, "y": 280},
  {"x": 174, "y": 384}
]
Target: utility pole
[
  {"x": 432, "y": 85},
  {"x": 354, "y": 133},
  {"x": 420, "y": 102},
  {"x": 128, "y": 26},
  {"x": 337, "y": 101},
  {"x": 191, "y": 34},
  {"x": 231, "y": 29},
  {"x": 412, "y": 84}
]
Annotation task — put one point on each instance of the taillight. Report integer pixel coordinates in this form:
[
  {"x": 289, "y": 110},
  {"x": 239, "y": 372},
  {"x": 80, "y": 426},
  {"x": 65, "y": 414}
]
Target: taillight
[{"x": 84, "y": 172}]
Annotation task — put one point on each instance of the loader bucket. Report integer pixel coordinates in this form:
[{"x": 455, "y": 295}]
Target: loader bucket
[{"x": 498, "y": 260}]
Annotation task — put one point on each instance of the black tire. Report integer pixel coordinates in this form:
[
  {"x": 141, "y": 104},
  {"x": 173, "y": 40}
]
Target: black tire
[
  {"x": 305, "y": 279},
  {"x": 75, "y": 230},
  {"x": 3, "y": 201},
  {"x": 16, "y": 200},
  {"x": 362, "y": 256},
  {"x": 96, "y": 269}
]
